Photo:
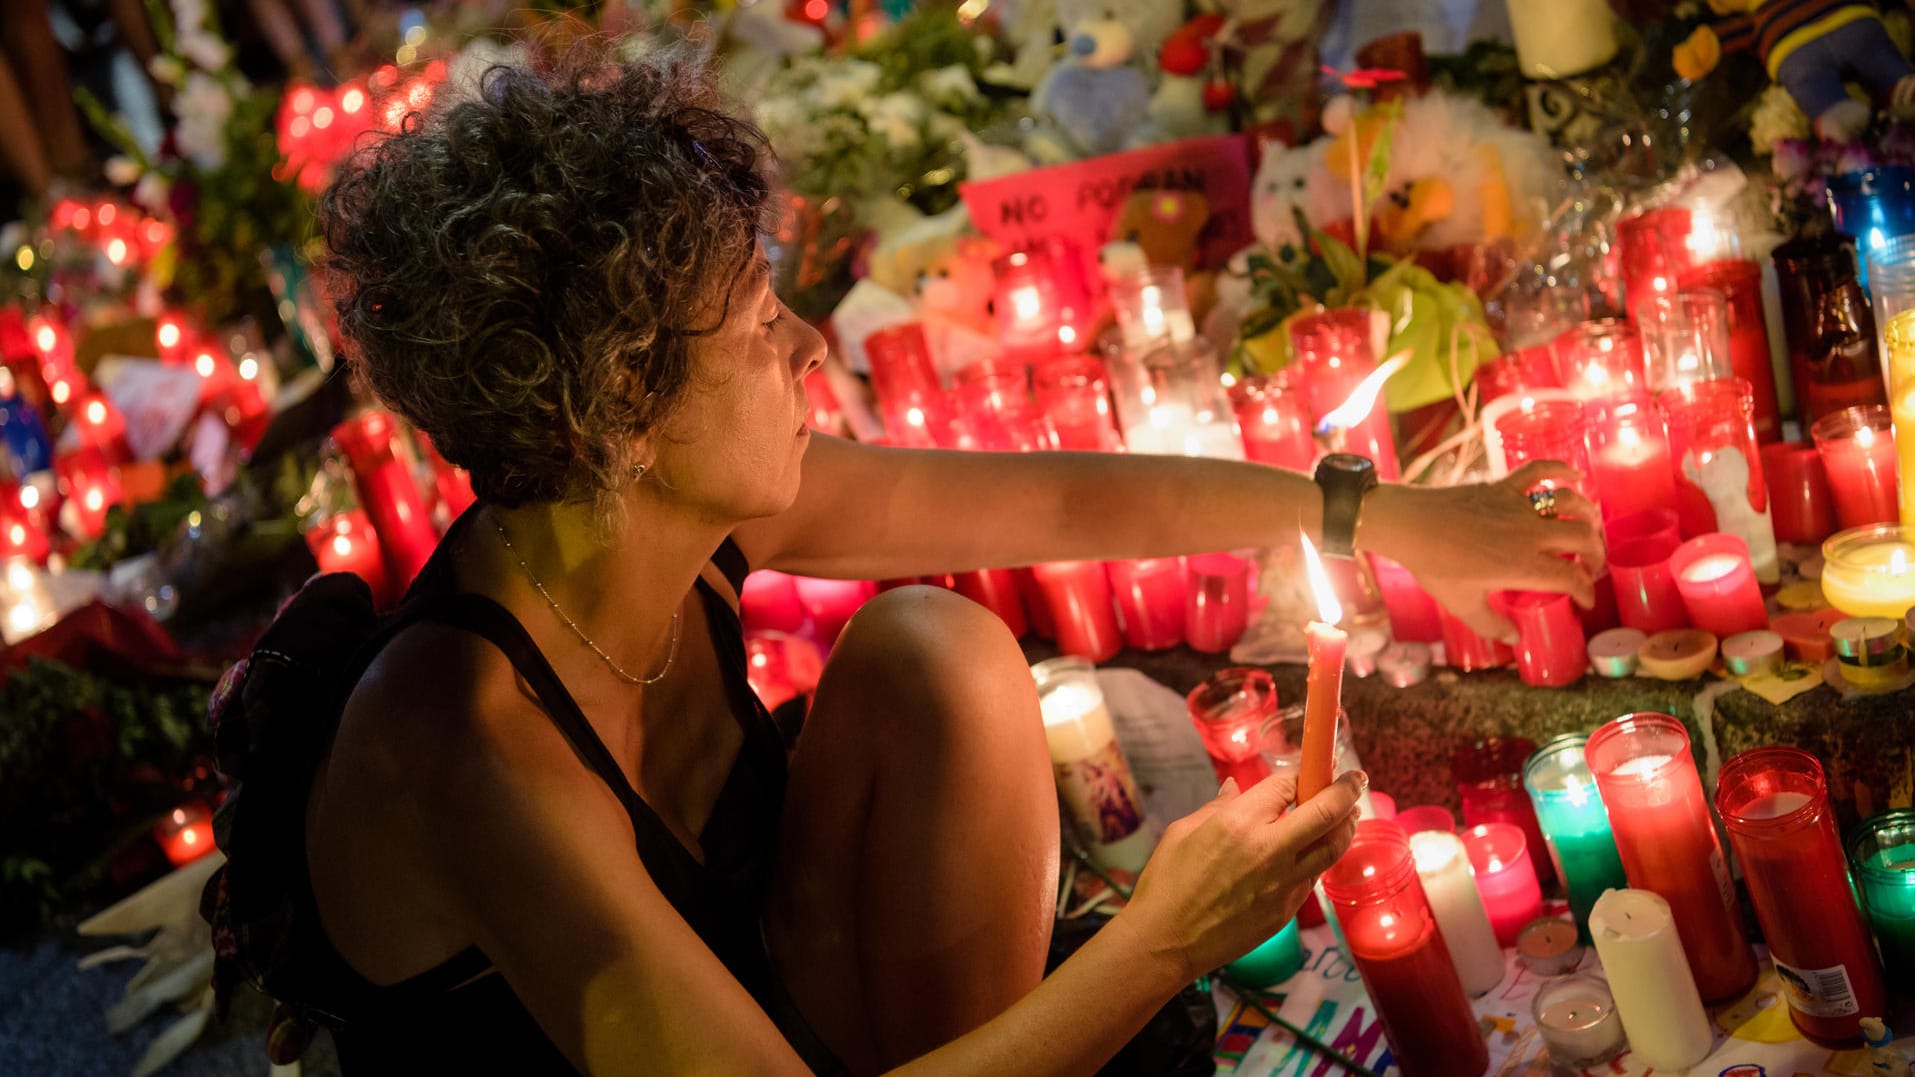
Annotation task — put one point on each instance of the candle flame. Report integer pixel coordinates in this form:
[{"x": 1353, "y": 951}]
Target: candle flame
[
  {"x": 1897, "y": 562},
  {"x": 1329, "y": 610},
  {"x": 1362, "y": 399}
]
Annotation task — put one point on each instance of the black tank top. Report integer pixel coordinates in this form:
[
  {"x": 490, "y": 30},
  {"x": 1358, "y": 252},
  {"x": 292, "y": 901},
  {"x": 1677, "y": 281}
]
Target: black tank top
[{"x": 462, "y": 1012}]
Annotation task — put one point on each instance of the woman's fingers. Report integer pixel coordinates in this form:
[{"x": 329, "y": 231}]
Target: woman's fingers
[
  {"x": 1268, "y": 798},
  {"x": 1537, "y": 472},
  {"x": 1563, "y": 576},
  {"x": 1327, "y": 850},
  {"x": 1488, "y": 622},
  {"x": 1321, "y": 814},
  {"x": 1572, "y": 505}
]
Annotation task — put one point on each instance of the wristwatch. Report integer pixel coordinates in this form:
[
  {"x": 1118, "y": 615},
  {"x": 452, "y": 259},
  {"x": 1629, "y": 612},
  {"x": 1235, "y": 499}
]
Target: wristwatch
[{"x": 1344, "y": 478}]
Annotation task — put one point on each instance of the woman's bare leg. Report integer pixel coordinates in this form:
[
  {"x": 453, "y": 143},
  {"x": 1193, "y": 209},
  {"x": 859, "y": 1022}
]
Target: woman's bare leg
[{"x": 917, "y": 871}]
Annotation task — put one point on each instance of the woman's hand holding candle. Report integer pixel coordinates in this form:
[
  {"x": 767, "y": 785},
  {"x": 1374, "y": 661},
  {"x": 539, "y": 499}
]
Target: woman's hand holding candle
[{"x": 1227, "y": 876}]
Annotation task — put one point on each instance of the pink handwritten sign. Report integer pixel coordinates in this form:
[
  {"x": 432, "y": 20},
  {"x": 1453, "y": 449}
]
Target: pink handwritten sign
[{"x": 1080, "y": 201}]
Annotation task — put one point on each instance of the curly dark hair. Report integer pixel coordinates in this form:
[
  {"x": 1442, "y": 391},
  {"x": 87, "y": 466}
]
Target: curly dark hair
[{"x": 520, "y": 272}]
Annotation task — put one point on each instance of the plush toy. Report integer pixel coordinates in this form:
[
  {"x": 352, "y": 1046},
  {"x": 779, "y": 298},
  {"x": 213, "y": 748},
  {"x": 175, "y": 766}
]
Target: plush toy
[
  {"x": 1460, "y": 176},
  {"x": 944, "y": 271},
  {"x": 1192, "y": 94},
  {"x": 1095, "y": 98},
  {"x": 1165, "y": 227},
  {"x": 1281, "y": 190},
  {"x": 1808, "y": 46}
]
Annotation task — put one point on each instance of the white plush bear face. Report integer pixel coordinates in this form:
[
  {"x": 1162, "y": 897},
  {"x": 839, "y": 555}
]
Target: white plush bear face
[
  {"x": 1150, "y": 22},
  {"x": 1278, "y": 192}
]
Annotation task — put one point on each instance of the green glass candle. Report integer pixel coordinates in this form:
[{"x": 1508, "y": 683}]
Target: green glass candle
[
  {"x": 1574, "y": 824},
  {"x": 1275, "y": 961},
  {"x": 1882, "y": 850}
]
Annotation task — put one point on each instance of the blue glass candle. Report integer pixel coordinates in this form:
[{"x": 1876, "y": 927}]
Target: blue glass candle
[
  {"x": 1574, "y": 824},
  {"x": 1874, "y": 205},
  {"x": 1276, "y": 960}
]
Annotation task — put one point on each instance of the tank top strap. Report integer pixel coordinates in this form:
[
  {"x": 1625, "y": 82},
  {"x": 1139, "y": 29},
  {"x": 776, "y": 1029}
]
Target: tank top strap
[
  {"x": 731, "y": 562},
  {"x": 482, "y": 616}
]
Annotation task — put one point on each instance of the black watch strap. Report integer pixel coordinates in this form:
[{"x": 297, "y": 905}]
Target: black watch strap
[{"x": 1344, "y": 478}]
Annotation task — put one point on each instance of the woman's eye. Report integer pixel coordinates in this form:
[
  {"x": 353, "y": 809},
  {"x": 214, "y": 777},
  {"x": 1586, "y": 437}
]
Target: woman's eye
[{"x": 775, "y": 319}]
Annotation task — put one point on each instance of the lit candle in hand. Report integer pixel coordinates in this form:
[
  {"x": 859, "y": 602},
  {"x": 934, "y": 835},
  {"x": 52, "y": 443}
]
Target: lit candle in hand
[{"x": 1324, "y": 693}]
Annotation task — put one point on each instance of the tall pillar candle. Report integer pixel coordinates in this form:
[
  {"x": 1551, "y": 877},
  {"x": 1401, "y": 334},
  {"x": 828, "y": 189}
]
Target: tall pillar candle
[
  {"x": 1882, "y": 849},
  {"x": 1505, "y": 877},
  {"x": 1642, "y": 957},
  {"x": 1643, "y": 767},
  {"x": 1857, "y": 446},
  {"x": 383, "y": 476},
  {"x": 1443, "y": 867},
  {"x": 910, "y": 399},
  {"x": 1229, "y": 710},
  {"x": 1323, "y": 692},
  {"x": 1712, "y": 441},
  {"x": 1575, "y": 824},
  {"x": 1093, "y": 777},
  {"x": 1559, "y": 38},
  {"x": 1775, "y": 805},
  {"x": 1392, "y": 937},
  {"x": 1902, "y": 412},
  {"x": 1718, "y": 585}
]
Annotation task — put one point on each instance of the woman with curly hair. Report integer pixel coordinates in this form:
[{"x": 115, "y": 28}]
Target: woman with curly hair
[{"x": 554, "y": 828}]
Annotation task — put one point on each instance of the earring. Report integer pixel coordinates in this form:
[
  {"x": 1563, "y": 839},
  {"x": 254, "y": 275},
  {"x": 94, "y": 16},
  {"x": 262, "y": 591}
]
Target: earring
[{"x": 638, "y": 472}]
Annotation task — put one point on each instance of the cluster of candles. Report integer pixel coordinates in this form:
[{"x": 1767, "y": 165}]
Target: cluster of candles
[
  {"x": 403, "y": 496},
  {"x": 317, "y": 126},
  {"x": 123, "y": 234}
]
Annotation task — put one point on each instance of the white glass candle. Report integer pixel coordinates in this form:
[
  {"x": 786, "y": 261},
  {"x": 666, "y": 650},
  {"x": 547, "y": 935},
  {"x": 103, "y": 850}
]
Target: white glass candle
[
  {"x": 1444, "y": 870},
  {"x": 1093, "y": 776},
  {"x": 1655, "y": 993}
]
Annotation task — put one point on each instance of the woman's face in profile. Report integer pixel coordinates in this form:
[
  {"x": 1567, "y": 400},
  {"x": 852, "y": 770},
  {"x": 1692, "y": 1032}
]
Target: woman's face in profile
[{"x": 735, "y": 447}]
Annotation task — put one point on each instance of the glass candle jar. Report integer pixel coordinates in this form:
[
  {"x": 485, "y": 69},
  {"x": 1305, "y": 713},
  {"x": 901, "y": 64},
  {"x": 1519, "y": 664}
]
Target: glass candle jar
[
  {"x": 1489, "y": 785},
  {"x": 1685, "y": 337},
  {"x": 910, "y": 400},
  {"x": 1074, "y": 396},
  {"x": 1393, "y": 940},
  {"x": 1550, "y": 650},
  {"x": 1718, "y": 585},
  {"x": 1149, "y": 594},
  {"x": 1035, "y": 315},
  {"x": 993, "y": 410},
  {"x": 1775, "y": 804},
  {"x": 1800, "y": 502},
  {"x": 1505, "y": 878},
  {"x": 346, "y": 542},
  {"x": 1414, "y": 614},
  {"x": 1891, "y": 283},
  {"x": 1667, "y": 841},
  {"x": 89, "y": 485},
  {"x": 1274, "y": 419},
  {"x": 1873, "y": 205},
  {"x": 1229, "y": 710},
  {"x": 1577, "y": 1018},
  {"x": 1870, "y": 571},
  {"x": 1882, "y": 852},
  {"x": 1600, "y": 360},
  {"x": 1077, "y": 594},
  {"x": 1653, "y": 250},
  {"x": 1858, "y": 453},
  {"x": 382, "y": 472},
  {"x": 1647, "y": 598},
  {"x": 1275, "y": 960},
  {"x": 1093, "y": 777},
  {"x": 1465, "y": 650},
  {"x": 1833, "y": 357},
  {"x": 1547, "y": 430},
  {"x": 1151, "y": 308},
  {"x": 1333, "y": 358},
  {"x": 1514, "y": 373},
  {"x": 1171, "y": 402},
  {"x": 1216, "y": 601},
  {"x": 1629, "y": 456},
  {"x": 1712, "y": 442},
  {"x": 1574, "y": 823},
  {"x": 1740, "y": 283},
  {"x": 1281, "y": 746}
]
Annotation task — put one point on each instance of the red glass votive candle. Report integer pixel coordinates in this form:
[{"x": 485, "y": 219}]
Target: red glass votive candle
[
  {"x": 348, "y": 543},
  {"x": 382, "y": 477},
  {"x": 89, "y": 485},
  {"x": 830, "y": 603},
  {"x": 1660, "y": 818},
  {"x": 1517, "y": 372},
  {"x": 1775, "y": 806},
  {"x": 769, "y": 602},
  {"x": 1465, "y": 650},
  {"x": 781, "y": 667},
  {"x": 1229, "y": 710},
  {"x": 185, "y": 834},
  {"x": 1332, "y": 358},
  {"x": 1653, "y": 251},
  {"x": 1150, "y": 596},
  {"x": 1074, "y": 396},
  {"x": 1600, "y": 360},
  {"x": 1275, "y": 420},
  {"x": 1647, "y": 597},
  {"x": 1414, "y": 614},
  {"x": 1718, "y": 468},
  {"x": 1740, "y": 282},
  {"x": 996, "y": 590},
  {"x": 1629, "y": 457},
  {"x": 97, "y": 423},
  {"x": 1033, "y": 312},
  {"x": 25, "y": 524},
  {"x": 1505, "y": 878},
  {"x": 1546, "y": 430},
  {"x": 1426, "y": 817},
  {"x": 1489, "y": 783},
  {"x": 905, "y": 380},
  {"x": 822, "y": 410},
  {"x": 1718, "y": 585},
  {"x": 1660, "y": 524},
  {"x": 1857, "y": 446},
  {"x": 1801, "y": 505},
  {"x": 1392, "y": 938},
  {"x": 1550, "y": 651},
  {"x": 1217, "y": 601},
  {"x": 1077, "y": 594},
  {"x": 993, "y": 410}
]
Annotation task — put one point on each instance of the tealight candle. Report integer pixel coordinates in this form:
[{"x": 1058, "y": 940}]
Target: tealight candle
[
  {"x": 1866, "y": 641},
  {"x": 1775, "y": 804},
  {"x": 1574, "y": 823},
  {"x": 1642, "y": 957},
  {"x": 1805, "y": 635},
  {"x": 186, "y": 834},
  {"x": 1749, "y": 653},
  {"x": 1857, "y": 446},
  {"x": 1718, "y": 585},
  {"x": 1392, "y": 938},
  {"x": 1229, "y": 710},
  {"x": 1504, "y": 877},
  {"x": 1150, "y": 601},
  {"x": 1647, "y": 776},
  {"x": 1093, "y": 776},
  {"x": 1548, "y": 947},
  {"x": 1579, "y": 1023},
  {"x": 1443, "y": 867},
  {"x": 1870, "y": 571},
  {"x": 1613, "y": 652},
  {"x": 1883, "y": 852}
]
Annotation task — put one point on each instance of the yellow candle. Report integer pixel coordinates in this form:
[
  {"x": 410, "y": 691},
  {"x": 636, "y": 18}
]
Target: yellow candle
[
  {"x": 1902, "y": 409},
  {"x": 1870, "y": 571}
]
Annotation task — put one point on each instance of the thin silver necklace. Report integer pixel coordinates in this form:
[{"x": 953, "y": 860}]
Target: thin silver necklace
[{"x": 671, "y": 653}]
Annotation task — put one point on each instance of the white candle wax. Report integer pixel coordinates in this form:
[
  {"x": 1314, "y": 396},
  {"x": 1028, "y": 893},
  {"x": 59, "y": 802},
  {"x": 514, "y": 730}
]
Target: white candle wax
[
  {"x": 1559, "y": 38},
  {"x": 1711, "y": 568},
  {"x": 1579, "y": 1023},
  {"x": 1723, "y": 476},
  {"x": 1444, "y": 870},
  {"x": 1093, "y": 775},
  {"x": 1175, "y": 429},
  {"x": 1635, "y": 937}
]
